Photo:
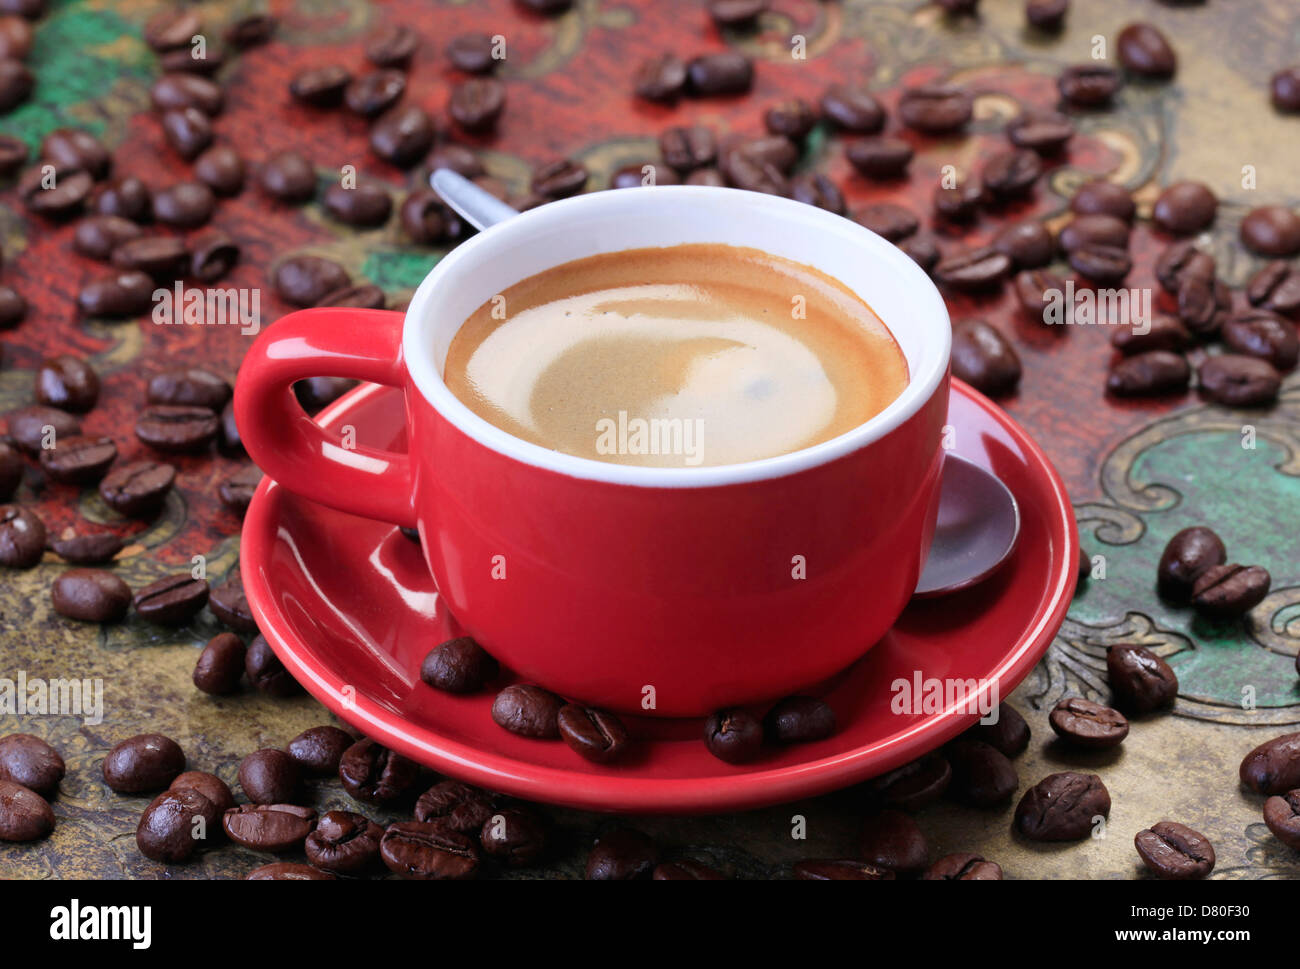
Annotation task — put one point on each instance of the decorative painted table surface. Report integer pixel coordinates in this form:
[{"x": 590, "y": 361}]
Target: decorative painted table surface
[{"x": 1137, "y": 471}]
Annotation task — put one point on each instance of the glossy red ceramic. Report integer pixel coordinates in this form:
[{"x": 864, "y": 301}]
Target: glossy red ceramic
[{"x": 349, "y": 606}]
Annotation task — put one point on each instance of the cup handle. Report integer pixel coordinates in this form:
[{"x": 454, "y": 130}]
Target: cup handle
[{"x": 291, "y": 447}]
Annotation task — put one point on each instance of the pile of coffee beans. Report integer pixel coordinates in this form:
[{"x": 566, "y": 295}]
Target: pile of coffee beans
[{"x": 1194, "y": 570}]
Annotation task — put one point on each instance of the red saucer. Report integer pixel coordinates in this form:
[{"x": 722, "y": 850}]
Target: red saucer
[{"x": 350, "y": 608}]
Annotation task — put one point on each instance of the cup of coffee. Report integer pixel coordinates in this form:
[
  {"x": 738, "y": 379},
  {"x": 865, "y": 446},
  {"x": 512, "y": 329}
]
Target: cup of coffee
[{"x": 669, "y": 450}]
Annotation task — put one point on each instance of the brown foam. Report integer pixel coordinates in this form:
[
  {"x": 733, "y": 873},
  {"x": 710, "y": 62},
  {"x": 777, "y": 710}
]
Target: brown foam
[{"x": 695, "y": 346}]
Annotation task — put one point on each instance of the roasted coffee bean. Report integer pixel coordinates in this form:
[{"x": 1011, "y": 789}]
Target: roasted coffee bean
[
  {"x": 754, "y": 174},
  {"x": 230, "y": 605},
  {"x": 87, "y": 549},
  {"x": 120, "y": 294},
  {"x": 1143, "y": 50},
  {"x": 186, "y": 205},
  {"x": 162, "y": 257},
  {"x": 547, "y": 6},
  {"x": 982, "y": 776},
  {"x": 316, "y": 392},
  {"x": 55, "y": 195},
  {"x": 12, "y": 308},
  {"x": 303, "y": 280},
  {"x": 1198, "y": 307},
  {"x": 476, "y": 104},
  {"x": 1164, "y": 332},
  {"x": 722, "y": 73},
  {"x": 1101, "y": 264},
  {"x": 1102, "y": 197},
  {"x": 15, "y": 38},
  {"x": 1237, "y": 380},
  {"x": 780, "y": 152},
  {"x": 1174, "y": 852},
  {"x": 173, "y": 91},
  {"x": 792, "y": 118},
  {"x": 1271, "y": 230},
  {"x": 963, "y": 867},
  {"x": 892, "y": 840},
  {"x": 252, "y": 30},
  {"x": 1037, "y": 290},
  {"x": 169, "y": 830},
  {"x": 401, "y": 135},
  {"x": 269, "y": 827},
  {"x": 24, "y": 814},
  {"x": 344, "y": 843},
  {"x": 973, "y": 270},
  {"x": 595, "y": 734},
  {"x": 221, "y": 169},
  {"x": 371, "y": 772},
  {"x": 189, "y": 60},
  {"x": 170, "y": 29},
  {"x": 424, "y": 216},
  {"x": 31, "y": 762},
  {"x": 1140, "y": 680},
  {"x": 835, "y": 870},
  {"x": 706, "y": 176},
  {"x": 734, "y": 735},
  {"x": 687, "y": 149},
  {"x": 921, "y": 249},
  {"x": 71, "y": 149},
  {"x": 1100, "y": 230},
  {"x": 220, "y": 665},
  {"x": 1047, "y": 15},
  {"x": 188, "y": 131},
  {"x": 1082, "y": 723},
  {"x": 888, "y": 220},
  {"x": 1282, "y": 816},
  {"x": 735, "y": 13},
  {"x": 172, "y": 601},
  {"x": 1028, "y": 244},
  {"x": 1276, "y": 287},
  {"x": 622, "y": 854},
  {"x": 462, "y": 807},
  {"x": 35, "y": 427},
  {"x": 527, "y": 710},
  {"x": 16, "y": 84},
  {"x": 126, "y": 197},
  {"x": 366, "y": 204},
  {"x": 1228, "y": 591},
  {"x": 236, "y": 492},
  {"x": 321, "y": 87},
  {"x": 288, "y": 177},
  {"x": 68, "y": 383},
  {"x": 90, "y": 595},
  {"x": 1185, "y": 208},
  {"x": 935, "y": 109},
  {"x": 138, "y": 489},
  {"x": 1185, "y": 558},
  {"x": 210, "y": 786},
  {"x": 365, "y": 296},
  {"x": 266, "y": 672},
  {"x": 1147, "y": 374},
  {"x": 880, "y": 156},
  {"x": 1043, "y": 132},
  {"x": 213, "y": 255},
  {"x": 1011, "y": 174},
  {"x": 1274, "y": 766},
  {"x": 1062, "y": 807},
  {"x": 1089, "y": 85},
  {"x": 514, "y": 836},
  {"x": 270, "y": 776},
  {"x": 472, "y": 53},
  {"x": 815, "y": 189},
  {"x": 230, "y": 439},
  {"x": 318, "y": 750},
  {"x": 143, "y": 763},
  {"x": 458, "y": 666},
  {"x": 370, "y": 95},
  {"x": 559, "y": 179},
  {"x": 173, "y": 428},
  {"x": 1284, "y": 90},
  {"x": 22, "y": 537},
  {"x": 914, "y": 784},
  {"x": 799, "y": 719},
  {"x": 1008, "y": 733},
  {"x": 79, "y": 460},
  {"x": 11, "y": 470},
  {"x": 13, "y": 154},
  {"x": 98, "y": 235},
  {"x": 287, "y": 871},
  {"x": 428, "y": 851},
  {"x": 983, "y": 357},
  {"x": 661, "y": 78},
  {"x": 686, "y": 869},
  {"x": 1260, "y": 333},
  {"x": 392, "y": 45},
  {"x": 852, "y": 108},
  {"x": 643, "y": 174}
]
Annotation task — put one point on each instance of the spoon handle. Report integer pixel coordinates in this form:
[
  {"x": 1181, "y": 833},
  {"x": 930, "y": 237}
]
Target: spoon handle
[{"x": 479, "y": 208}]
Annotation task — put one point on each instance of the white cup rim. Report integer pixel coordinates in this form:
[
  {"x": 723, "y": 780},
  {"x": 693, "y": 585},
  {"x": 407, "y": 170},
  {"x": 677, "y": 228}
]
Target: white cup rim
[{"x": 904, "y": 273}]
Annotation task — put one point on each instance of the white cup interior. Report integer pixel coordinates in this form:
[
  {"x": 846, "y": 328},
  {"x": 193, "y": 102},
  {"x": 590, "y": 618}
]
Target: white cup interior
[{"x": 877, "y": 271}]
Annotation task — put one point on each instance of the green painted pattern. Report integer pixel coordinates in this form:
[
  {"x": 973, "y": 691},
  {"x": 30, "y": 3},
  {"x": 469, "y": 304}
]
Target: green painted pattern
[{"x": 395, "y": 269}]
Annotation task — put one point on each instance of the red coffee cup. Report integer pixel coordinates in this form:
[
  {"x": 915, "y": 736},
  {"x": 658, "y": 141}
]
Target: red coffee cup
[{"x": 655, "y": 591}]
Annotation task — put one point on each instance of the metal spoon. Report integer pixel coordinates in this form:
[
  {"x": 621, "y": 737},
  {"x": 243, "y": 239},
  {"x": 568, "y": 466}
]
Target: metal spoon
[{"x": 979, "y": 521}]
